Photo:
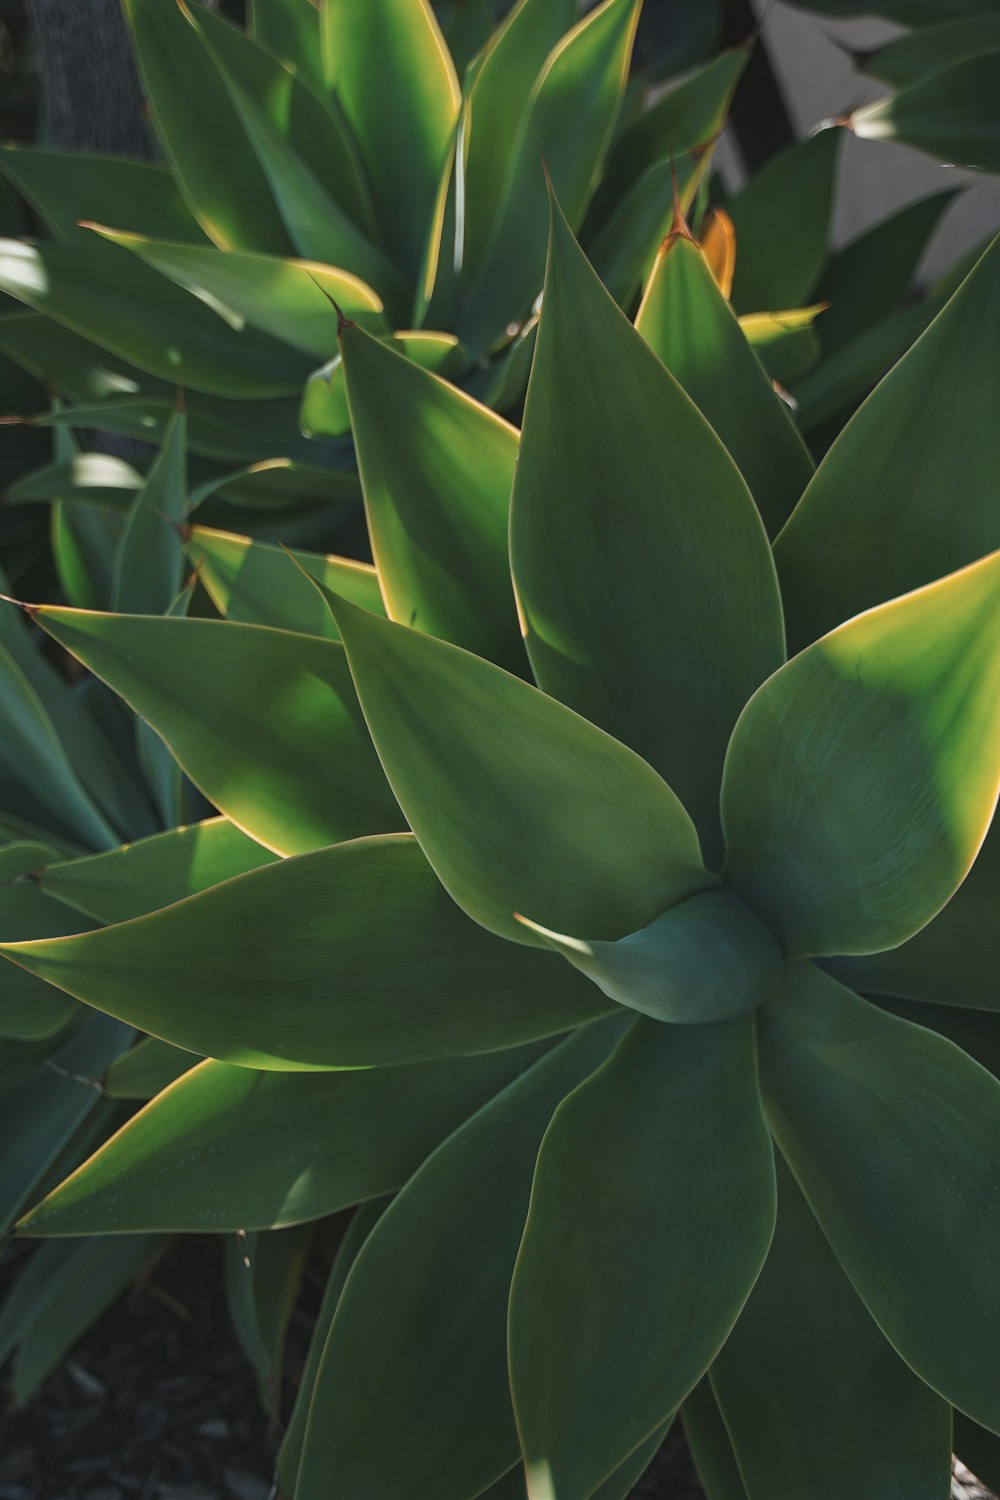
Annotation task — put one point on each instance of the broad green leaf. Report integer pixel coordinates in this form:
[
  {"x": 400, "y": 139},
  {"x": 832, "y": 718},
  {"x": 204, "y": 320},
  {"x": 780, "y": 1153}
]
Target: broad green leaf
[
  {"x": 147, "y": 1069},
  {"x": 84, "y": 539},
  {"x": 226, "y": 1148},
  {"x": 782, "y": 222},
  {"x": 861, "y": 778},
  {"x": 955, "y": 959},
  {"x": 150, "y": 551},
  {"x": 67, "y": 186},
  {"x": 620, "y": 476},
  {"x": 442, "y": 986},
  {"x": 30, "y": 745},
  {"x": 806, "y": 1372},
  {"x": 891, "y": 1133},
  {"x": 68, "y": 1294},
  {"x": 436, "y": 470},
  {"x": 200, "y": 130},
  {"x": 290, "y": 29},
  {"x": 619, "y": 1486},
  {"x": 324, "y": 411},
  {"x": 568, "y": 122},
  {"x": 841, "y": 381},
  {"x": 290, "y": 299},
  {"x": 362, "y": 1223},
  {"x": 873, "y": 522},
  {"x": 869, "y": 278},
  {"x": 687, "y": 321},
  {"x": 498, "y": 100},
  {"x": 931, "y": 48},
  {"x": 40, "y": 1116},
  {"x": 519, "y": 804},
  {"x": 624, "y": 249},
  {"x": 111, "y": 297},
  {"x": 30, "y": 1009},
  {"x": 951, "y": 114},
  {"x": 260, "y": 584},
  {"x": 263, "y": 1280},
  {"x": 707, "y": 959},
  {"x": 691, "y": 114},
  {"x": 668, "y": 1134},
  {"x": 710, "y": 1445},
  {"x": 389, "y": 67},
  {"x": 265, "y": 722},
  {"x": 399, "y": 1408},
  {"x": 154, "y": 872}
]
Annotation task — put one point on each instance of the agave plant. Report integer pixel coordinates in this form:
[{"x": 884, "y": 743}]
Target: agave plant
[{"x": 645, "y": 1019}]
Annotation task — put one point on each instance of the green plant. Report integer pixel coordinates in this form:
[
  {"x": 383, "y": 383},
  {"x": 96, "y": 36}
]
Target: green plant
[
  {"x": 629, "y": 993},
  {"x": 332, "y": 149}
]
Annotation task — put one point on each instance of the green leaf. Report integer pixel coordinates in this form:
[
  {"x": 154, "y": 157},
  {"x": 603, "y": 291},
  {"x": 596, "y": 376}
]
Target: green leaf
[
  {"x": 499, "y": 99},
  {"x": 31, "y": 747},
  {"x": 706, "y": 959},
  {"x": 691, "y": 114},
  {"x": 782, "y": 222},
  {"x": 806, "y": 1372},
  {"x": 200, "y": 130},
  {"x": 951, "y": 114},
  {"x": 442, "y": 987},
  {"x": 620, "y": 1485},
  {"x": 303, "y": 776},
  {"x": 227, "y": 1148},
  {"x": 393, "y": 77},
  {"x": 154, "y": 872},
  {"x": 290, "y": 299},
  {"x": 69, "y": 1291},
  {"x": 785, "y": 342},
  {"x": 290, "y": 29},
  {"x": 67, "y": 186},
  {"x": 955, "y": 959},
  {"x": 519, "y": 804},
  {"x": 861, "y": 778},
  {"x": 436, "y": 470},
  {"x": 399, "y": 1408},
  {"x": 319, "y": 229},
  {"x": 926, "y": 432},
  {"x": 710, "y": 1445},
  {"x": 92, "y": 478},
  {"x": 930, "y": 48},
  {"x": 688, "y": 323},
  {"x": 845, "y": 378},
  {"x": 40, "y": 1117},
  {"x": 362, "y": 1223},
  {"x": 30, "y": 1010},
  {"x": 623, "y": 251},
  {"x": 324, "y": 410},
  {"x": 147, "y": 1069},
  {"x": 892, "y": 1134},
  {"x": 259, "y": 584},
  {"x": 109, "y": 296},
  {"x": 569, "y": 121},
  {"x": 150, "y": 551},
  {"x": 263, "y": 1278},
  {"x": 620, "y": 476},
  {"x": 868, "y": 279},
  {"x": 669, "y": 1134}
]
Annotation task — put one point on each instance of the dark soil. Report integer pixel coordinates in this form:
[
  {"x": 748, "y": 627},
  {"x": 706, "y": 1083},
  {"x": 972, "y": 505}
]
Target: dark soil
[{"x": 158, "y": 1402}]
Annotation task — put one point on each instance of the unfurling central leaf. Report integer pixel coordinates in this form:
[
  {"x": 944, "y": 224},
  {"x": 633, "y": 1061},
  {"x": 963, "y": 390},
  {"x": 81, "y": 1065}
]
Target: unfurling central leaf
[{"x": 710, "y": 958}]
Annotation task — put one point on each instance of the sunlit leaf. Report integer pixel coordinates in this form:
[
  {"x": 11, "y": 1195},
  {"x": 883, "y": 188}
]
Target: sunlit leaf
[{"x": 862, "y": 777}]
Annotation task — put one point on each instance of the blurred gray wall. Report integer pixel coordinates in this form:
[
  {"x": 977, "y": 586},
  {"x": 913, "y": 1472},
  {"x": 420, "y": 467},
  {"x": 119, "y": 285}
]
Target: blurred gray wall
[{"x": 819, "y": 81}]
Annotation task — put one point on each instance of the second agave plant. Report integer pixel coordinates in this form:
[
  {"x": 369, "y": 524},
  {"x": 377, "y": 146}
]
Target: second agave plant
[{"x": 630, "y": 883}]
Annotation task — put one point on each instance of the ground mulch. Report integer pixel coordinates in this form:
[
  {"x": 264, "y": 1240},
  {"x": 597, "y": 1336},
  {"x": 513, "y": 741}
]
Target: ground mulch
[{"x": 158, "y": 1402}]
